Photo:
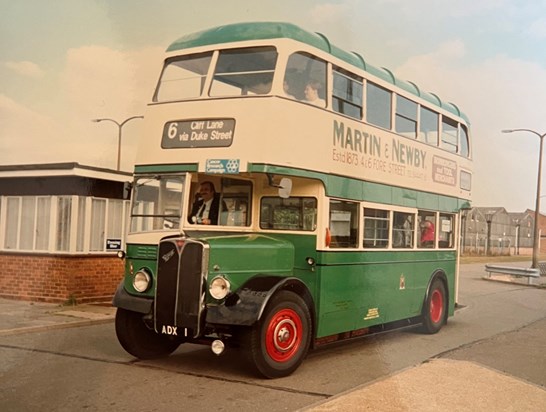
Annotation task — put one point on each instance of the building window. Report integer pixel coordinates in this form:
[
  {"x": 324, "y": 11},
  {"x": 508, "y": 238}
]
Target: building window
[
  {"x": 43, "y": 217},
  {"x": 60, "y": 223},
  {"x": 115, "y": 219},
  {"x": 12, "y": 223},
  {"x": 28, "y": 220},
  {"x": 80, "y": 237},
  {"x": 98, "y": 216},
  {"x": 64, "y": 215}
]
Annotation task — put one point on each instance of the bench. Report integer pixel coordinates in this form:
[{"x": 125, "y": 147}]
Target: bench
[{"x": 530, "y": 273}]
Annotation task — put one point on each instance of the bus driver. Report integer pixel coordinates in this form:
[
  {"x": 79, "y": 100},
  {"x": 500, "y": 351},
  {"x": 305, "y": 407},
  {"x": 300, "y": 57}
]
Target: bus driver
[{"x": 206, "y": 208}]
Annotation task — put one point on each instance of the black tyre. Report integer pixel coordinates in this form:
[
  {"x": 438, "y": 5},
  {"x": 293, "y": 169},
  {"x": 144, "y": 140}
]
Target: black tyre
[
  {"x": 277, "y": 344},
  {"x": 435, "y": 307},
  {"x": 140, "y": 341}
]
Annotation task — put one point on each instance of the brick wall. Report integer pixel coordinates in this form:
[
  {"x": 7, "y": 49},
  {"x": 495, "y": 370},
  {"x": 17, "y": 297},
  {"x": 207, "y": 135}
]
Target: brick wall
[{"x": 59, "y": 278}]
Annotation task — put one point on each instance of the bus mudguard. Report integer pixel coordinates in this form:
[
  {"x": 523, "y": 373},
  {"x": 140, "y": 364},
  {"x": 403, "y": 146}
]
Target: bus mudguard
[
  {"x": 246, "y": 305},
  {"x": 124, "y": 300}
]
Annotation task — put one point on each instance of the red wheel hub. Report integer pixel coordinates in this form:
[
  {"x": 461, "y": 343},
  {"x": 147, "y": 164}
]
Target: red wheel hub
[
  {"x": 436, "y": 306},
  {"x": 284, "y": 335}
]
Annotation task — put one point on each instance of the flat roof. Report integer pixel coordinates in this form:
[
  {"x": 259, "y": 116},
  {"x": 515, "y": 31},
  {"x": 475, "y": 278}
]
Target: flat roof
[{"x": 63, "y": 169}]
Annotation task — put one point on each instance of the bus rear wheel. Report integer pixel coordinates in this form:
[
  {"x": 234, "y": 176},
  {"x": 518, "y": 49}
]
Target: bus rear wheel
[
  {"x": 434, "y": 310},
  {"x": 277, "y": 344},
  {"x": 140, "y": 341}
]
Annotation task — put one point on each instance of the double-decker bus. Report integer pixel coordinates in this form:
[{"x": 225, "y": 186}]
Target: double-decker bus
[{"x": 288, "y": 194}]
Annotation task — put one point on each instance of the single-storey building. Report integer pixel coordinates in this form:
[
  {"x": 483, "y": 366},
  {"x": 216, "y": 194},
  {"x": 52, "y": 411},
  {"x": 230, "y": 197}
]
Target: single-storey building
[{"x": 60, "y": 228}]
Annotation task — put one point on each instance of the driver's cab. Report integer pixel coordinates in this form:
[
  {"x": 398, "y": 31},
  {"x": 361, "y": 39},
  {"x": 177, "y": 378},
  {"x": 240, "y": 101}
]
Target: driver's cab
[{"x": 222, "y": 201}]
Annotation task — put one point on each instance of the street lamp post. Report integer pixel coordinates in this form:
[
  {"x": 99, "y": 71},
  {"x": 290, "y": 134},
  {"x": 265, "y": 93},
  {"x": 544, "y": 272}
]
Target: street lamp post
[
  {"x": 517, "y": 223},
  {"x": 120, "y": 126},
  {"x": 536, "y": 230},
  {"x": 488, "y": 219}
]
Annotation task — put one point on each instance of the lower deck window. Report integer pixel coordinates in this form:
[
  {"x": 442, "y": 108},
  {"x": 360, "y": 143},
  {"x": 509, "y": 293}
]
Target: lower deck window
[
  {"x": 403, "y": 230},
  {"x": 427, "y": 229},
  {"x": 376, "y": 228},
  {"x": 294, "y": 213},
  {"x": 343, "y": 224}
]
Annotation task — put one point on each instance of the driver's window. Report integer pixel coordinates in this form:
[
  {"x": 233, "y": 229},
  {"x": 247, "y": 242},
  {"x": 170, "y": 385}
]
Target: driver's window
[{"x": 223, "y": 202}]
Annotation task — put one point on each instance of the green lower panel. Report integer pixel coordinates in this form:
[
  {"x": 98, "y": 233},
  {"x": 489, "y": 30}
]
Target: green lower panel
[{"x": 362, "y": 289}]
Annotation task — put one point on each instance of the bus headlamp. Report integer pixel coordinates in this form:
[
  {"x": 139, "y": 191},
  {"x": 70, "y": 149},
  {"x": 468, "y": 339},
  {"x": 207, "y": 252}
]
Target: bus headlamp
[
  {"x": 219, "y": 287},
  {"x": 142, "y": 281}
]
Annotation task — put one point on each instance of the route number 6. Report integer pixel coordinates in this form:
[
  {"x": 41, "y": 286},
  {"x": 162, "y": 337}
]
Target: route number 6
[{"x": 173, "y": 130}]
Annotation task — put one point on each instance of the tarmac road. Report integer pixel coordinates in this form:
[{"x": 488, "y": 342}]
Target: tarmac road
[{"x": 490, "y": 356}]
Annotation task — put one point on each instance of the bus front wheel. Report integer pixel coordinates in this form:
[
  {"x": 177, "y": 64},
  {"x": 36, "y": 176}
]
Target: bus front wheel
[
  {"x": 434, "y": 310},
  {"x": 277, "y": 344},
  {"x": 140, "y": 341}
]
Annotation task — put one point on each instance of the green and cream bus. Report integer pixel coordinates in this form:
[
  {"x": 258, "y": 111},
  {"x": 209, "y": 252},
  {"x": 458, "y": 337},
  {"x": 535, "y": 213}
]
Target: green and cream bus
[{"x": 338, "y": 189}]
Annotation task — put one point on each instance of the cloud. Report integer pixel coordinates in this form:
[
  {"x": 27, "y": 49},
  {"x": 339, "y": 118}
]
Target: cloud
[
  {"x": 94, "y": 82},
  {"x": 537, "y": 29},
  {"x": 328, "y": 13},
  {"x": 496, "y": 94},
  {"x": 26, "y": 134},
  {"x": 25, "y": 68}
]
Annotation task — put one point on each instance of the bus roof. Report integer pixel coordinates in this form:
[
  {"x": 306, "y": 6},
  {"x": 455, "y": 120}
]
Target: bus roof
[{"x": 276, "y": 30}]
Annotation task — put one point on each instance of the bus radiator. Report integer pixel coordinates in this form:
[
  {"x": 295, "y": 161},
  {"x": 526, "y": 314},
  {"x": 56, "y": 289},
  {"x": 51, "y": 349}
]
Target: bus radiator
[{"x": 180, "y": 288}]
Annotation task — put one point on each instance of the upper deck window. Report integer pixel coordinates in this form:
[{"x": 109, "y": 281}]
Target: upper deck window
[
  {"x": 465, "y": 146},
  {"x": 406, "y": 117},
  {"x": 305, "y": 79},
  {"x": 449, "y": 134},
  {"x": 378, "y": 106},
  {"x": 183, "y": 77},
  {"x": 347, "y": 94},
  {"x": 244, "y": 71},
  {"x": 428, "y": 126}
]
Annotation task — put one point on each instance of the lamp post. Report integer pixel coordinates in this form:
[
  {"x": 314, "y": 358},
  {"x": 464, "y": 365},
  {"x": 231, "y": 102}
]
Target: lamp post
[
  {"x": 120, "y": 126},
  {"x": 536, "y": 231},
  {"x": 488, "y": 220},
  {"x": 464, "y": 215},
  {"x": 517, "y": 223}
]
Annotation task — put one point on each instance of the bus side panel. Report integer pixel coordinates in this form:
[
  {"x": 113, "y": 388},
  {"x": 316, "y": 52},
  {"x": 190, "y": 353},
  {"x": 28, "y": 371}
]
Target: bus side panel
[
  {"x": 363, "y": 289},
  {"x": 347, "y": 293}
]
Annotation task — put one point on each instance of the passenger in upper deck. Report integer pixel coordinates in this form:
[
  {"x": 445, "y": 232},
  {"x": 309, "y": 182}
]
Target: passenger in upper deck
[
  {"x": 312, "y": 93},
  {"x": 206, "y": 208}
]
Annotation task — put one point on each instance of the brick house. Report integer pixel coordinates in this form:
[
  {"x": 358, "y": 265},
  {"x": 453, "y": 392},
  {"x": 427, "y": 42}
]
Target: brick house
[{"x": 60, "y": 228}]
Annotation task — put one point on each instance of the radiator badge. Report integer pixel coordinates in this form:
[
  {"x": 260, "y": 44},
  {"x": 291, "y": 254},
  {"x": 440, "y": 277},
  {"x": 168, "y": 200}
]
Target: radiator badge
[
  {"x": 167, "y": 256},
  {"x": 169, "y": 330}
]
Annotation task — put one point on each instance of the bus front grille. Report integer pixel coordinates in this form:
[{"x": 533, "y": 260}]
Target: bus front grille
[{"x": 180, "y": 287}]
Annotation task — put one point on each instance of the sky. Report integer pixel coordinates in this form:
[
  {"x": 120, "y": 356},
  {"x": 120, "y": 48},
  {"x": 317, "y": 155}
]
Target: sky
[{"x": 65, "y": 62}]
